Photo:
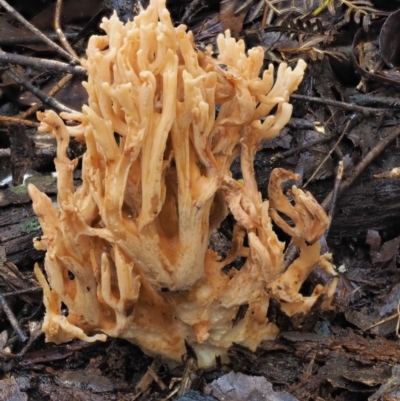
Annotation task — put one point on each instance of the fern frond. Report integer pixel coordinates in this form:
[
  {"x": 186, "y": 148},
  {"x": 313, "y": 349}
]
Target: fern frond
[{"x": 361, "y": 11}]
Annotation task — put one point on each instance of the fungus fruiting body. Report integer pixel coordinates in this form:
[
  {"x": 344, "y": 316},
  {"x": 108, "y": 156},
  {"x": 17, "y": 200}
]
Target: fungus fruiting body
[{"x": 128, "y": 251}]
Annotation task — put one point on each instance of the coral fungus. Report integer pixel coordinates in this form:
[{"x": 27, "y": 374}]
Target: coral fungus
[{"x": 128, "y": 251}]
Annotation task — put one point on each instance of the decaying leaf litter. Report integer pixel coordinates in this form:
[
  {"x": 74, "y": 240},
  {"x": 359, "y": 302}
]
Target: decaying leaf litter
[{"x": 346, "y": 355}]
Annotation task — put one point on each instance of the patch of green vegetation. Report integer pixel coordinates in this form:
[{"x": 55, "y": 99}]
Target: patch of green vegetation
[
  {"x": 31, "y": 225},
  {"x": 20, "y": 189},
  {"x": 41, "y": 180}
]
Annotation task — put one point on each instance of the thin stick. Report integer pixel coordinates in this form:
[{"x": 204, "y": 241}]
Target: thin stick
[
  {"x": 346, "y": 106},
  {"x": 293, "y": 151},
  {"x": 36, "y": 32},
  {"x": 386, "y": 319},
  {"x": 187, "y": 376},
  {"x": 372, "y": 155},
  {"x": 4, "y": 305},
  {"x": 256, "y": 10},
  {"x": 56, "y": 88},
  {"x": 51, "y": 102},
  {"x": 352, "y": 121},
  {"x": 157, "y": 379},
  {"x": 40, "y": 63},
  {"x": 16, "y": 120},
  {"x": 63, "y": 40},
  {"x": 13, "y": 320},
  {"x": 24, "y": 39},
  {"x": 335, "y": 192},
  {"x": 264, "y": 17},
  {"x": 147, "y": 379},
  {"x": 242, "y": 6}
]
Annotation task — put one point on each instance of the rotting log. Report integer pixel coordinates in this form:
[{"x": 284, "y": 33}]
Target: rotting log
[
  {"x": 18, "y": 223},
  {"x": 369, "y": 204}
]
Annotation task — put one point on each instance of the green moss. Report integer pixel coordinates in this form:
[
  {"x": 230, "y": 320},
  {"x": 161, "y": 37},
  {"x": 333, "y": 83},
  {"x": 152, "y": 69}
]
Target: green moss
[
  {"x": 41, "y": 180},
  {"x": 31, "y": 225},
  {"x": 20, "y": 189}
]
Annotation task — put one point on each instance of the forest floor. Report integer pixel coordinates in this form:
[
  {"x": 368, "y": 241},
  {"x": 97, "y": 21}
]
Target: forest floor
[{"x": 346, "y": 113}]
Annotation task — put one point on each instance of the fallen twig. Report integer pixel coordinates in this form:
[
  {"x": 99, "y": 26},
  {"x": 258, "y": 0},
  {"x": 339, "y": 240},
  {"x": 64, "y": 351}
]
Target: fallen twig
[
  {"x": 36, "y": 31},
  {"x": 63, "y": 40},
  {"x": 17, "y": 120},
  {"x": 26, "y": 39},
  {"x": 346, "y": 106},
  {"x": 51, "y": 102},
  {"x": 40, "y": 63},
  {"x": 375, "y": 152},
  {"x": 291, "y": 152},
  {"x": 12, "y": 319},
  {"x": 335, "y": 192},
  {"x": 352, "y": 121},
  {"x": 56, "y": 88}
]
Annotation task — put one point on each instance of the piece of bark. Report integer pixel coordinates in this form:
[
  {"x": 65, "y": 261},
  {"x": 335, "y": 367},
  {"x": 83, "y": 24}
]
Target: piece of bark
[
  {"x": 239, "y": 387},
  {"x": 370, "y": 204},
  {"x": 22, "y": 149},
  {"x": 9, "y": 391},
  {"x": 19, "y": 195},
  {"x": 18, "y": 227},
  {"x": 18, "y": 223}
]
